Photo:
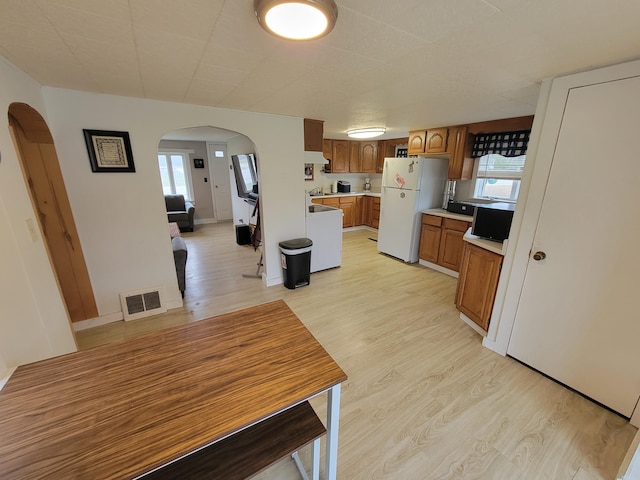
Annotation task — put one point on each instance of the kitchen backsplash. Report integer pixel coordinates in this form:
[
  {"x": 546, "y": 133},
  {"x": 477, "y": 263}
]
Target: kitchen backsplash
[
  {"x": 464, "y": 190},
  {"x": 325, "y": 180}
]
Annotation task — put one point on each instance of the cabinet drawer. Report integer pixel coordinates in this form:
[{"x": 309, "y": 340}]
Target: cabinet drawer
[
  {"x": 345, "y": 200},
  {"x": 431, "y": 220},
  {"x": 332, "y": 202},
  {"x": 458, "y": 225}
]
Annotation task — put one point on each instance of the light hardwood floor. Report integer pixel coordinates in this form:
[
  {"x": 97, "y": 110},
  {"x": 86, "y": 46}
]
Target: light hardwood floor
[{"x": 424, "y": 399}]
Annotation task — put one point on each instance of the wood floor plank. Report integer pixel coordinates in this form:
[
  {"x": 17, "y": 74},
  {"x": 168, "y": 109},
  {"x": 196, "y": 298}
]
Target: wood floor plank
[{"x": 424, "y": 399}]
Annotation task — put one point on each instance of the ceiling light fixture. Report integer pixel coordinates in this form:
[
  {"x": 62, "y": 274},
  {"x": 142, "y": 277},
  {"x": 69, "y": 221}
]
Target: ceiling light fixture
[
  {"x": 366, "y": 132},
  {"x": 297, "y": 19}
]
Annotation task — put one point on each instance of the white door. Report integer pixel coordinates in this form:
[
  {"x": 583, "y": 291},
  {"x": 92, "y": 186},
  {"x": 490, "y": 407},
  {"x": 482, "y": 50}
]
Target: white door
[
  {"x": 402, "y": 173},
  {"x": 577, "y": 318},
  {"x": 220, "y": 183},
  {"x": 397, "y": 230}
]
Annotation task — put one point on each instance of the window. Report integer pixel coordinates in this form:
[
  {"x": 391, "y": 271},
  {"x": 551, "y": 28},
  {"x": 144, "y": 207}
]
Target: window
[
  {"x": 498, "y": 177},
  {"x": 175, "y": 173}
]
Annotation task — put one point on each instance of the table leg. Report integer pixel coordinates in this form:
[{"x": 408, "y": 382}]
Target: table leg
[{"x": 333, "y": 417}]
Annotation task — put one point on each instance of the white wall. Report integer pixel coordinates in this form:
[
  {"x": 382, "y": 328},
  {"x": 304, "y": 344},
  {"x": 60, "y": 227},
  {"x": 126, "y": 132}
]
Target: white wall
[
  {"x": 121, "y": 217},
  {"x": 33, "y": 319},
  {"x": 241, "y": 210},
  {"x": 544, "y": 133}
]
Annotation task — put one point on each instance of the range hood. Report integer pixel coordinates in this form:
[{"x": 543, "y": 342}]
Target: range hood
[{"x": 315, "y": 157}]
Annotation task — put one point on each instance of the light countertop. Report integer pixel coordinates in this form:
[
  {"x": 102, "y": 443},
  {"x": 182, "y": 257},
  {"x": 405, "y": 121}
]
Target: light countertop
[
  {"x": 443, "y": 213},
  {"x": 495, "y": 247},
  {"x": 350, "y": 194},
  {"x": 490, "y": 245}
]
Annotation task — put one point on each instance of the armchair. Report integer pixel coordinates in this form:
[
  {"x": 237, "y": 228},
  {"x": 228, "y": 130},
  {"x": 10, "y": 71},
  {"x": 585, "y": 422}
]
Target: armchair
[{"x": 180, "y": 211}]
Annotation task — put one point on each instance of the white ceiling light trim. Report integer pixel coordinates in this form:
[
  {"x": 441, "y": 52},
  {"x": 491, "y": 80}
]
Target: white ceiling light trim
[
  {"x": 366, "y": 132},
  {"x": 297, "y": 19}
]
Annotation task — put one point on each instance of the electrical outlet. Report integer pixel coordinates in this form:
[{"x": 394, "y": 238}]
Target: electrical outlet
[{"x": 32, "y": 229}]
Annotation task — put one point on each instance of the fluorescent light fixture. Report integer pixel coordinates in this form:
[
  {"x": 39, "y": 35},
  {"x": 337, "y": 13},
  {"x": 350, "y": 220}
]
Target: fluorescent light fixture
[
  {"x": 366, "y": 132},
  {"x": 297, "y": 19}
]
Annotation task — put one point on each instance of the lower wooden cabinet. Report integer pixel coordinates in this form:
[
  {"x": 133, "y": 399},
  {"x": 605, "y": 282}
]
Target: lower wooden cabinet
[
  {"x": 375, "y": 212},
  {"x": 356, "y": 209},
  {"x": 477, "y": 284},
  {"x": 348, "y": 206},
  {"x": 441, "y": 240}
]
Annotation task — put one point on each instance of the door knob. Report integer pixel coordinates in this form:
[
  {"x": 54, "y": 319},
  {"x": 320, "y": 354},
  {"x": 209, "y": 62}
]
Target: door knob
[{"x": 539, "y": 256}]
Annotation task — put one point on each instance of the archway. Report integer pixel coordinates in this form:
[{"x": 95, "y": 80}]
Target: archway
[
  {"x": 211, "y": 181},
  {"x": 41, "y": 169}
]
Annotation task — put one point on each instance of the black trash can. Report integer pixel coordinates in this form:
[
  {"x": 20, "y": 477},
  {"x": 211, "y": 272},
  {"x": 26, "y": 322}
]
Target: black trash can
[{"x": 295, "y": 257}]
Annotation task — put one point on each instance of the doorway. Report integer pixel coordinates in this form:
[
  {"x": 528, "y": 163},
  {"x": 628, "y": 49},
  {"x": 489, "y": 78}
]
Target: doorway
[
  {"x": 220, "y": 181},
  {"x": 41, "y": 170}
]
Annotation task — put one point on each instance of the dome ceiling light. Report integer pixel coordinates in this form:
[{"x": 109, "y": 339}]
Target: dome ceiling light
[
  {"x": 366, "y": 132},
  {"x": 297, "y": 19}
]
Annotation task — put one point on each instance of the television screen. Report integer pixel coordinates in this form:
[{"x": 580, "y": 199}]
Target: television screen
[{"x": 244, "y": 168}]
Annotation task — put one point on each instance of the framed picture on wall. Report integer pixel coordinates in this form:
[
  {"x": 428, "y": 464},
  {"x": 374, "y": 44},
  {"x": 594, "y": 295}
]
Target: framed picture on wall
[
  {"x": 109, "y": 151},
  {"x": 198, "y": 163},
  {"x": 308, "y": 171}
]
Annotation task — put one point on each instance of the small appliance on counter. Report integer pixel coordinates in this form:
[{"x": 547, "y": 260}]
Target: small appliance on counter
[
  {"x": 493, "y": 221},
  {"x": 367, "y": 184},
  {"x": 344, "y": 186}
]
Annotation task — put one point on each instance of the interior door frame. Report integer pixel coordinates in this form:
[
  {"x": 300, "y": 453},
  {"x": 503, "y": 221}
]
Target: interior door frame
[
  {"x": 544, "y": 135},
  {"x": 212, "y": 183},
  {"x": 30, "y": 132}
]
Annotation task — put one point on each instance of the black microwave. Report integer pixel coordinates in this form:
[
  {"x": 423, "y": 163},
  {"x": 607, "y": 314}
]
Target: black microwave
[{"x": 492, "y": 223}]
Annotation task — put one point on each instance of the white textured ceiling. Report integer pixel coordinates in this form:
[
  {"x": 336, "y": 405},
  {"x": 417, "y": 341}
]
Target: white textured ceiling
[{"x": 403, "y": 64}]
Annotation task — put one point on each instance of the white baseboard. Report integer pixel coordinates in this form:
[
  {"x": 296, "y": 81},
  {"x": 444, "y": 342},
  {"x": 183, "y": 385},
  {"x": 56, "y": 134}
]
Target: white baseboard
[
  {"x": 360, "y": 227},
  {"x": 439, "y": 268},
  {"x": 472, "y": 324},
  {"x": 5, "y": 376},
  {"x": 202, "y": 221},
  {"x": 97, "y": 321},
  {"x": 114, "y": 317}
]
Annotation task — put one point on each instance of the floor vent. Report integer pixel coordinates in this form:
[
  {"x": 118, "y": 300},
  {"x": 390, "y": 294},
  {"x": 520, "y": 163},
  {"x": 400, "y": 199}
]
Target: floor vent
[{"x": 142, "y": 303}]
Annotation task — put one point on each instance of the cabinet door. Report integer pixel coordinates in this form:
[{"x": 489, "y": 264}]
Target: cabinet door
[
  {"x": 429, "y": 243},
  {"x": 340, "y": 160},
  {"x": 437, "y": 140},
  {"x": 417, "y": 141},
  {"x": 359, "y": 212},
  {"x": 452, "y": 243},
  {"x": 327, "y": 153},
  {"x": 478, "y": 283},
  {"x": 354, "y": 157},
  {"x": 460, "y": 161},
  {"x": 368, "y": 157},
  {"x": 375, "y": 213},
  {"x": 450, "y": 253},
  {"x": 367, "y": 210},
  {"x": 332, "y": 202},
  {"x": 348, "y": 206},
  {"x": 313, "y": 132}
]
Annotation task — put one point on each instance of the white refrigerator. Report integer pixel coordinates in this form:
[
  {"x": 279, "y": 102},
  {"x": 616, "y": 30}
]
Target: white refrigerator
[{"x": 409, "y": 185}]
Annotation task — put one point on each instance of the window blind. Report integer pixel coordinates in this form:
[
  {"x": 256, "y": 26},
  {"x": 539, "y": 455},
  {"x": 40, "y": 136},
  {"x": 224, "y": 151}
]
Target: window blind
[
  {"x": 500, "y": 167},
  {"x": 507, "y": 144}
]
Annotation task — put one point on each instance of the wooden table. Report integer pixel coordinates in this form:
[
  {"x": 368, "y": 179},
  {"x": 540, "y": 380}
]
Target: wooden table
[{"x": 127, "y": 408}]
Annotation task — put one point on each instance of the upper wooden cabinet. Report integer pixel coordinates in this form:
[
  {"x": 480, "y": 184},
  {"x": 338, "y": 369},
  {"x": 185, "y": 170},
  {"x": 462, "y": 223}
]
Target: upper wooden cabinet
[
  {"x": 387, "y": 148},
  {"x": 313, "y": 135},
  {"x": 354, "y": 157},
  {"x": 368, "y": 157},
  {"x": 460, "y": 146},
  {"x": 340, "y": 156},
  {"x": 417, "y": 142},
  {"x": 327, "y": 149},
  {"x": 436, "y": 141}
]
